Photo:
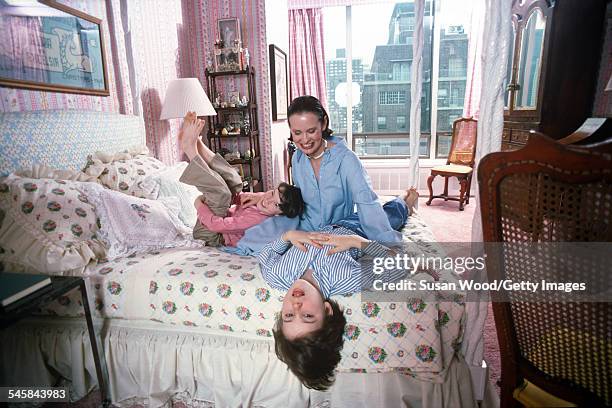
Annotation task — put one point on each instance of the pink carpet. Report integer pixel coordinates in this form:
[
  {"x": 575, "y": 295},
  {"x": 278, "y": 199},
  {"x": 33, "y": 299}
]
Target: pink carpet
[{"x": 451, "y": 225}]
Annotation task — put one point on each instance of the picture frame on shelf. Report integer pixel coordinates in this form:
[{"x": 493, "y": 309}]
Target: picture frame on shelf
[
  {"x": 228, "y": 30},
  {"x": 61, "y": 50},
  {"x": 233, "y": 98},
  {"x": 227, "y": 59},
  {"x": 279, "y": 83}
]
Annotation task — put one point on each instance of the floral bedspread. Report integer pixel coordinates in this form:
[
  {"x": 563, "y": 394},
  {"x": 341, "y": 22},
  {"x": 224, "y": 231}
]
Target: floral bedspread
[{"x": 203, "y": 287}]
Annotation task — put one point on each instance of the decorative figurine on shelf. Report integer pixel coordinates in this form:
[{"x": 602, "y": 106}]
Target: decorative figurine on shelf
[
  {"x": 216, "y": 103},
  {"x": 247, "y": 58},
  {"x": 247, "y": 155},
  {"x": 209, "y": 62},
  {"x": 243, "y": 101}
]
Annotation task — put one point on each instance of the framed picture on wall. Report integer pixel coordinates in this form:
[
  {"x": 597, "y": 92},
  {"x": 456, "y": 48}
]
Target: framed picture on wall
[
  {"x": 229, "y": 32},
  {"x": 61, "y": 49},
  {"x": 279, "y": 83}
]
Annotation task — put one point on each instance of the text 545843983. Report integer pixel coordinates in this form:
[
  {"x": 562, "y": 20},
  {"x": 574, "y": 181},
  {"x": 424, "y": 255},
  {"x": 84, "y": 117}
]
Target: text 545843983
[{"x": 33, "y": 394}]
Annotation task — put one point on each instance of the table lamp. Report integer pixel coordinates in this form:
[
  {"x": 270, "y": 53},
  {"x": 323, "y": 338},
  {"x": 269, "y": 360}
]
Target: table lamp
[{"x": 184, "y": 95}]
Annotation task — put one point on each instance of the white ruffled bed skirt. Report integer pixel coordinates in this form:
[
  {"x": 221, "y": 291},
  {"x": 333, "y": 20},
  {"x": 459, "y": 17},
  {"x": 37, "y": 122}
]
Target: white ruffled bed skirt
[{"x": 150, "y": 364}]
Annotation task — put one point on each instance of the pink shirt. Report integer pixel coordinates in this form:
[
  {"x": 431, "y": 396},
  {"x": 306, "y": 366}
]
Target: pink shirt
[{"x": 233, "y": 226}]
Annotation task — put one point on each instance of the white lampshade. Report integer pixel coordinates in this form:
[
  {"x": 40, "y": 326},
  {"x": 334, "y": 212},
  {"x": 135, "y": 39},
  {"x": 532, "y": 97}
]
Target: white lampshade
[{"x": 184, "y": 95}]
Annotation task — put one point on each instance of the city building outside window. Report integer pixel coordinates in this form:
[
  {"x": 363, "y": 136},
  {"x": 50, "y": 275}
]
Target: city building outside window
[
  {"x": 380, "y": 75},
  {"x": 401, "y": 122}
]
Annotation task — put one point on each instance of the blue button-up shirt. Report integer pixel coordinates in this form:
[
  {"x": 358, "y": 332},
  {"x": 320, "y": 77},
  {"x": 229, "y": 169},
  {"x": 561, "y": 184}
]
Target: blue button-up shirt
[
  {"x": 339, "y": 274},
  {"x": 343, "y": 184}
]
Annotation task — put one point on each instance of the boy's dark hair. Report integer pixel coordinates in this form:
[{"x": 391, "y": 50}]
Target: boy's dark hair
[
  {"x": 313, "y": 358},
  {"x": 292, "y": 204},
  {"x": 310, "y": 104}
]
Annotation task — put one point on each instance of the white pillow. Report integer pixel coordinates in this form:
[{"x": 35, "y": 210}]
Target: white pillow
[
  {"x": 169, "y": 186},
  {"x": 130, "y": 224}
]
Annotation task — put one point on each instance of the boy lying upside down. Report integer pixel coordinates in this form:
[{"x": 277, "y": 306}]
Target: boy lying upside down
[
  {"x": 222, "y": 215},
  {"x": 312, "y": 267}
]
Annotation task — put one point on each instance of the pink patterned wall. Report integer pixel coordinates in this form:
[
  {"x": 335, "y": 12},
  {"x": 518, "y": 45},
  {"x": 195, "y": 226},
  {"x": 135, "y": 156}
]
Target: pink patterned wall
[
  {"x": 253, "y": 33},
  {"x": 18, "y": 100},
  {"x": 151, "y": 42}
]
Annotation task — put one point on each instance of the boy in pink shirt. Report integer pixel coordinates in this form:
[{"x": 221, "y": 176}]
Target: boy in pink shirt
[{"x": 222, "y": 214}]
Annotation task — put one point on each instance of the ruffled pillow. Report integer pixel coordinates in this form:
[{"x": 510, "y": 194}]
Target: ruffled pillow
[
  {"x": 169, "y": 186},
  {"x": 49, "y": 225},
  {"x": 130, "y": 224},
  {"x": 126, "y": 171}
]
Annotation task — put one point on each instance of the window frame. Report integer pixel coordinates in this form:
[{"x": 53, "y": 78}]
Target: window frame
[{"x": 432, "y": 135}]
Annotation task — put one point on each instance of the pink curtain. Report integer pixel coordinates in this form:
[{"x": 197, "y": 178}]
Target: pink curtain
[
  {"x": 474, "y": 70},
  {"x": 306, "y": 56}
]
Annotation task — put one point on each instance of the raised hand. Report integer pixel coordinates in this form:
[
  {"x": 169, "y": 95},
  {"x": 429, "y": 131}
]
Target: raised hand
[{"x": 249, "y": 199}]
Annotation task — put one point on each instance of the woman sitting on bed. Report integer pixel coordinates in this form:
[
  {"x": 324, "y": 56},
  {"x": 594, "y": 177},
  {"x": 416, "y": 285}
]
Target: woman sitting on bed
[
  {"x": 311, "y": 267},
  {"x": 220, "y": 222},
  {"x": 331, "y": 178}
]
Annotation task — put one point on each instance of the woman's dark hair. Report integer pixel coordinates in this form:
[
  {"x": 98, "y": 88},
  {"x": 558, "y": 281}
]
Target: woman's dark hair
[
  {"x": 292, "y": 204},
  {"x": 313, "y": 358},
  {"x": 310, "y": 104}
]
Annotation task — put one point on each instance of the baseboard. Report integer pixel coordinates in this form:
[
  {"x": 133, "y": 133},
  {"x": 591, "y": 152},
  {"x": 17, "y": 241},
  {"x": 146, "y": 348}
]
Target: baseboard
[{"x": 480, "y": 376}]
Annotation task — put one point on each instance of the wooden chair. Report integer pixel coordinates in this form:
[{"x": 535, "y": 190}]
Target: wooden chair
[
  {"x": 460, "y": 162},
  {"x": 547, "y": 192}
]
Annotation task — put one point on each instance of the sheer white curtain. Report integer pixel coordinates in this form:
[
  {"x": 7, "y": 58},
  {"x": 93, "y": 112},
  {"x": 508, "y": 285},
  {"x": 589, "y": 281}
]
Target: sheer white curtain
[
  {"x": 496, "y": 41},
  {"x": 416, "y": 80}
]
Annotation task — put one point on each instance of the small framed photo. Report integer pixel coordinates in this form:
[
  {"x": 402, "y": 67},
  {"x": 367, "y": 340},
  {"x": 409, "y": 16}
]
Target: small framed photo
[
  {"x": 234, "y": 97},
  {"x": 279, "y": 83},
  {"x": 227, "y": 59},
  {"x": 229, "y": 32}
]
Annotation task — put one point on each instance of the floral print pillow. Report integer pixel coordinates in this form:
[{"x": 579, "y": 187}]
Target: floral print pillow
[
  {"x": 49, "y": 226},
  {"x": 126, "y": 173}
]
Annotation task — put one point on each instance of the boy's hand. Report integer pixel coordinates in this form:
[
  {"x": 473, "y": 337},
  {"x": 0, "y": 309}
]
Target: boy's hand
[
  {"x": 248, "y": 199},
  {"x": 300, "y": 238},
  {"x": 199, "y": 202},
  {"x": 343, "y": 242}
]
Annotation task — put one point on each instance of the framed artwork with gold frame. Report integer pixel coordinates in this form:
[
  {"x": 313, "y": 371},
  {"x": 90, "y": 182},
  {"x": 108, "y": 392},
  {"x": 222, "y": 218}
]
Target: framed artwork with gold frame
[{"x": 54, "y": 48}]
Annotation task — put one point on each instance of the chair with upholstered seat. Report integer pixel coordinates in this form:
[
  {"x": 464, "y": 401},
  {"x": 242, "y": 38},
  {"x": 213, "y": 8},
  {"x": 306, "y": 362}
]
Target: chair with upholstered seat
[
  {"x": 460, "y": 162},
  {"x": 530, "y": 198}
]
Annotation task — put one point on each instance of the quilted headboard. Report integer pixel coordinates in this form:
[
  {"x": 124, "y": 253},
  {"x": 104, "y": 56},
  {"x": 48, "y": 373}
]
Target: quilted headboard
[{"x": 63, "y": 139}]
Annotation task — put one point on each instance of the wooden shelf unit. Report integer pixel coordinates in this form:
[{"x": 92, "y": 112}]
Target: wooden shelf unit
[{"x": 249, "y": 127}]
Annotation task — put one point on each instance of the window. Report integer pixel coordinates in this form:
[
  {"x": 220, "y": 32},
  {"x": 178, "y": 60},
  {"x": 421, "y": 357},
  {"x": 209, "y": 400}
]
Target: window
[
  {"x": 381, "y": 63},
  {"x": 401, "y": 122},
  {"x": 392, "y": 97},
  {"x": 401, "y": 71},
  {"x": 452, "y": 72}
]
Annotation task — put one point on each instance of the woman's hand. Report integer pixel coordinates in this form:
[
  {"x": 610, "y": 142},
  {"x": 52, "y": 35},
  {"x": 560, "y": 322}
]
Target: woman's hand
[
  {"x": 249, "y": 199},
  {"x": 343, "y": 242},
  {"x": 301, "y": 238}
]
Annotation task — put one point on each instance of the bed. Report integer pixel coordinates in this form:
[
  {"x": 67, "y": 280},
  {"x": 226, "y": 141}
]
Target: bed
[{"x": 182, "y": 322}]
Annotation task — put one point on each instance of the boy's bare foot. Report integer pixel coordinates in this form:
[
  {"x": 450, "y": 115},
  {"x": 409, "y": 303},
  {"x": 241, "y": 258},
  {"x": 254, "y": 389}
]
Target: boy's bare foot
[
  {"x": 411, "y": 198},
  {"x": 189, "y": 134}
]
